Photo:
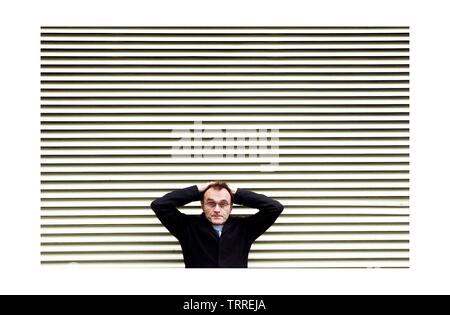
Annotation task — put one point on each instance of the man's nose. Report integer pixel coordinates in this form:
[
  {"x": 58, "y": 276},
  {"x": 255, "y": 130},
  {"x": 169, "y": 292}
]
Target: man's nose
[{"x": 217, "y": 208}]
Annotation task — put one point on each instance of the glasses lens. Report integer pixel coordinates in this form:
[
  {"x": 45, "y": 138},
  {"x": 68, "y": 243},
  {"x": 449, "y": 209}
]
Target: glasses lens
[{"x": 213, "y": 205}]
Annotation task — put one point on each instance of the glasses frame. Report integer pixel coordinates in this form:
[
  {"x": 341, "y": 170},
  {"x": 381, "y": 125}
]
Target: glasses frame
[{"x": 224, "y": 207}]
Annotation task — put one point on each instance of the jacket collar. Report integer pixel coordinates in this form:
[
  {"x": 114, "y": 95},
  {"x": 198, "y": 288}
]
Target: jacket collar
[{"x": 226, "y": 225}]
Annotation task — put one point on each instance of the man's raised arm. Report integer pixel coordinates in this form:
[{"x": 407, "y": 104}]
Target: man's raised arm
[
  {"x": 166, "y": 208},
  {"x": 269, "y": 211}
]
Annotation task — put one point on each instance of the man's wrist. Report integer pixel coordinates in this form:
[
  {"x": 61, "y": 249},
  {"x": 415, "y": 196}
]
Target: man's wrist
[
  {"x": 196, "y": 194},
  {"x": 233, "y": 189}
]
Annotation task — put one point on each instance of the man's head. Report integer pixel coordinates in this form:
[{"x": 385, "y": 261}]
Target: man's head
[{"x": 217, "y": 202}]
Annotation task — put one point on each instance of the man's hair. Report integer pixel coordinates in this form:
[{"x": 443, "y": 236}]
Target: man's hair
[{"x": 219, "y": 185}]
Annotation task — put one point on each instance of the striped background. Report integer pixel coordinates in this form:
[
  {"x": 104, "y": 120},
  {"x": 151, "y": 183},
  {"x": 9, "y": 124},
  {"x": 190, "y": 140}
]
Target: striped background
[{"x": 333, "y": 101}]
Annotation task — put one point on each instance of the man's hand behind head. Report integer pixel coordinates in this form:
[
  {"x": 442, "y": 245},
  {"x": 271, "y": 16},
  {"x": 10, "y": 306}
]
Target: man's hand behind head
[{"x": 203, "y": 187}]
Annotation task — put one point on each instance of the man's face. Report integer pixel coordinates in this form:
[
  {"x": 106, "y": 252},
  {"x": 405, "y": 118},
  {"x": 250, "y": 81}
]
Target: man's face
[{"x": 217, "y": 205}]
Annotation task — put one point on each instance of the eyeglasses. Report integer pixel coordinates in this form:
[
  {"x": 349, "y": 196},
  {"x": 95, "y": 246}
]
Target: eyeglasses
[{"x": 213, "y": 205}]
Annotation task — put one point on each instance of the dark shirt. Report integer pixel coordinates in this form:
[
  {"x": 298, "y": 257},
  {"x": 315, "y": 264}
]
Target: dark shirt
[{"x": 202, "y": 247}]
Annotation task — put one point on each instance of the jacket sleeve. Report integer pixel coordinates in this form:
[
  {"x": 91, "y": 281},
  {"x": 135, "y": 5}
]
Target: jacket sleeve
[
  {"x": 166, "y": 208},
  {"x": 269, "y": 211}
]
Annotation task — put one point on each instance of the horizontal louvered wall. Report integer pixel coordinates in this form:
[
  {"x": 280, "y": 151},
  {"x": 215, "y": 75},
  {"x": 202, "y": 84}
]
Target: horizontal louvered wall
[{"x": 119, "y": 103}]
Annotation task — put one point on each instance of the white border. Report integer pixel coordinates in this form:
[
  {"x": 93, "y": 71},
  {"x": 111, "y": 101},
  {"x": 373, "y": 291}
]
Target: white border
[{"x": 20, "y": 271}]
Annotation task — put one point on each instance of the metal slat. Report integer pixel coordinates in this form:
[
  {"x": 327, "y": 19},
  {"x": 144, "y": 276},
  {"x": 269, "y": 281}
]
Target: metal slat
[
  {"x": 303, "y": 211},
  {"x": 68, "y": 219}
]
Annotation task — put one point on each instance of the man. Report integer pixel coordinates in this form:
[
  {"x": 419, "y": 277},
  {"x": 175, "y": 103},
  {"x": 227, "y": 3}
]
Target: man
[{"x": 214, "y": 238}]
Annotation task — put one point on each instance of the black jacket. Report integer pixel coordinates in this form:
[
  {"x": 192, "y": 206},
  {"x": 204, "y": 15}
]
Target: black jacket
[{"x": 202, "y": 247}]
